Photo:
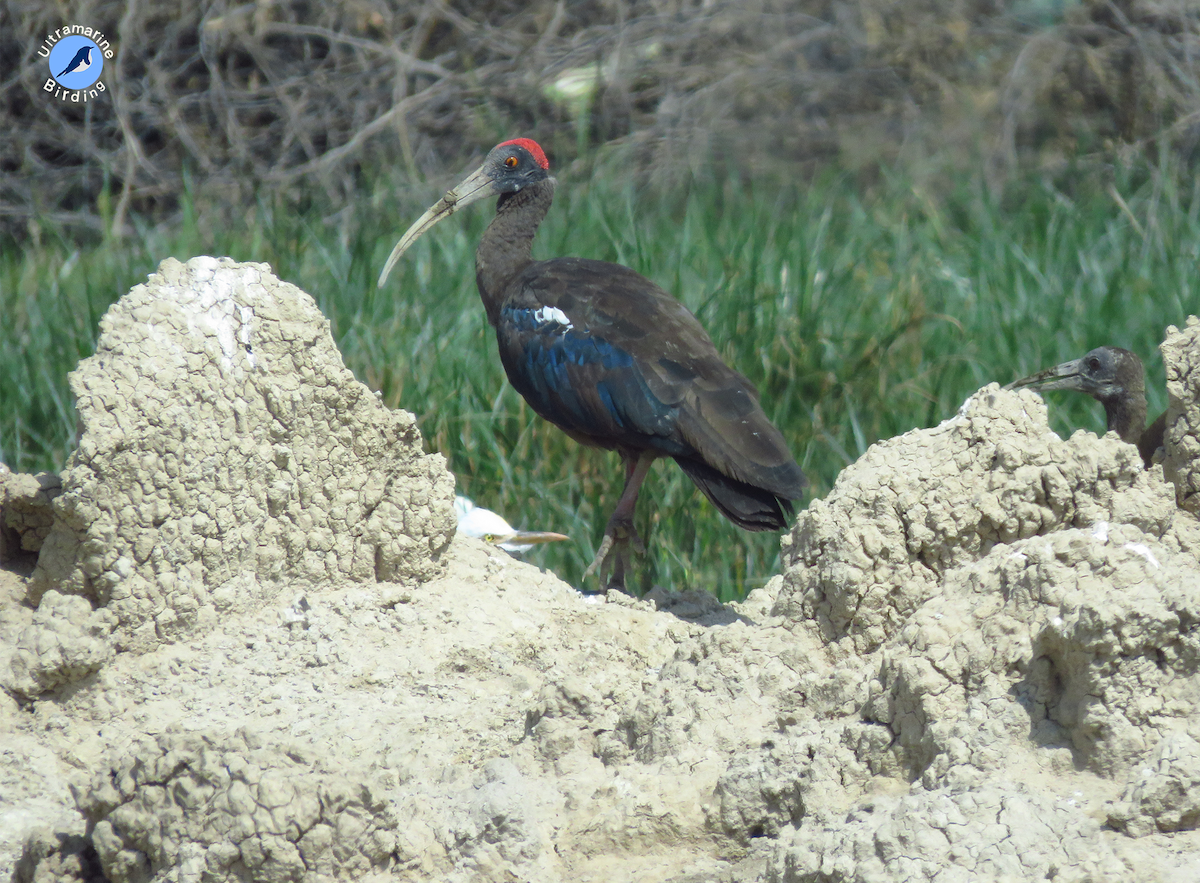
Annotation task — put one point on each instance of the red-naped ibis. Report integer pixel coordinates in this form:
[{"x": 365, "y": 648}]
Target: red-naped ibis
[
  {"x": 1115, "y": 378},
  {"x": 615, "y": 361}
]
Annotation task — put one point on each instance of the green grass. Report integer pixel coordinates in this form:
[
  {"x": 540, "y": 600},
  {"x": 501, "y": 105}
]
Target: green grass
[{"x": 859, "y": 316}]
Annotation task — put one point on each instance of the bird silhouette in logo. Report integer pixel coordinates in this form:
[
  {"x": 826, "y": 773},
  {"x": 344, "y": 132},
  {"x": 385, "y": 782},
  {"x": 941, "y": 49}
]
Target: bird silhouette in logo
[{"x": 81, "y": 62}]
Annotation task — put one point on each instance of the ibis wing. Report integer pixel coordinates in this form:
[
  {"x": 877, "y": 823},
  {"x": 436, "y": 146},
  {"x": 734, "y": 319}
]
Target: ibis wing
[
  {"x": 608, "y": 355},
  {"x": 585, "y": 382}
]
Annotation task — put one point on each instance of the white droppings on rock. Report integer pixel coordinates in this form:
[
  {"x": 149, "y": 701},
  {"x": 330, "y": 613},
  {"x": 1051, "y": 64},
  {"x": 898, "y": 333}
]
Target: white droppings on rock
[
  {"x": 244, "y": 334},
  {"x": 1143, "y": 550}
]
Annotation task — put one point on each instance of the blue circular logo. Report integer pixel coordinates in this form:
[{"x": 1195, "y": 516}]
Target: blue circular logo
[{"x": 76, "y": 62}]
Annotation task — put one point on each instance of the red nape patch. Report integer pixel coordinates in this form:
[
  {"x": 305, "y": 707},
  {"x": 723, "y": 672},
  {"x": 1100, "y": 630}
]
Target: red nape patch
[{"x": 534, "y": 149}]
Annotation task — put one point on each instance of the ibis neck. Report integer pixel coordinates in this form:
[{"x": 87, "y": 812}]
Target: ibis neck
[
  {"x": 1126, "y": 415},
  {"x": 506, "y": 247}
]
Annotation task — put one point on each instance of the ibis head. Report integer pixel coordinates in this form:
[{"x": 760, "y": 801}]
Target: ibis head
[
  {"x": 1114, "y": 377},
  {"x": 1105, "y": 373},
  {"x": 509, "y": 168}
]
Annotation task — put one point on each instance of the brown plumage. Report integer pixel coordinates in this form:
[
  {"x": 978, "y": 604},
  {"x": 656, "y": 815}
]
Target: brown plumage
[
  {"x": 1115, "y": 378},
  {"x": 615, "y": 361}
]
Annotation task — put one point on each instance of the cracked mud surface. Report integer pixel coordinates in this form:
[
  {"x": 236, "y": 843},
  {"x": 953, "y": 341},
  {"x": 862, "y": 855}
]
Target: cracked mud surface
[{"x": 250, "y": 650}]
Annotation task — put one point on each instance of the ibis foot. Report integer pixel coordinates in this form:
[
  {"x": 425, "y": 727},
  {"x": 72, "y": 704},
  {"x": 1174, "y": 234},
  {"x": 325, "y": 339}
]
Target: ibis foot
[
  {"x": 601, "y": 554},
  {"x": 612, "y": 558}
]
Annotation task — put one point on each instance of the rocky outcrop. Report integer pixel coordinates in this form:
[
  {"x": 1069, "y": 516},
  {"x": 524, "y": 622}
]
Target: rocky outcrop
[
  {"x": 64, "y": 640},
  {"x": 231, "y": 807},
  {"x": 226, "y": 448},
  {"x": 1181, "y": 357},
  {"x": 920, "y": 506},
  {"x": 981, "y": 661},
  {"x": 26, "y": 512}
]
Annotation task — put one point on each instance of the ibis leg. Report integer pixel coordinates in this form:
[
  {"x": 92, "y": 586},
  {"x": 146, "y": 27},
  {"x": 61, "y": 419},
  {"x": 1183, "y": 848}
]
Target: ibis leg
[{"x": 620, "y": 532}]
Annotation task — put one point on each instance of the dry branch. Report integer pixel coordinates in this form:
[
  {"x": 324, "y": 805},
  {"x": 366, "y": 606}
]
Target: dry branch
[{"x": 274, "y": 99}]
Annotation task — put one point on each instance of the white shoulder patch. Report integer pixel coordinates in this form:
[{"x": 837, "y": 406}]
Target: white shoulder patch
[{"x": 542, "y": 315}]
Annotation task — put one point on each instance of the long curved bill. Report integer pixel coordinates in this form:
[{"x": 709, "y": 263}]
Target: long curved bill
[
  {"x": 1067, "y": 375},
  {"x": 477, "y": 186}
]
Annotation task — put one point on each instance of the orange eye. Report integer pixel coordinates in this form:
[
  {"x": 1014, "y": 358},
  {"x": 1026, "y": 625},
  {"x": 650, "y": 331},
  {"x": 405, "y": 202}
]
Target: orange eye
[{"x": 510, "y": 162}]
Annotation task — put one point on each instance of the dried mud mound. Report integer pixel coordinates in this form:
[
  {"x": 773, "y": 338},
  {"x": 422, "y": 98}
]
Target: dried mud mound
[
  {"x": 1181, "y": 356},
  {"x": 26, "y": 512},
  {"x": 920, "y": 506},
  {"x": 1024, "y": 611},
  {"x": 226, "y": 447},
  {"x": 982, "y": 662}
]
